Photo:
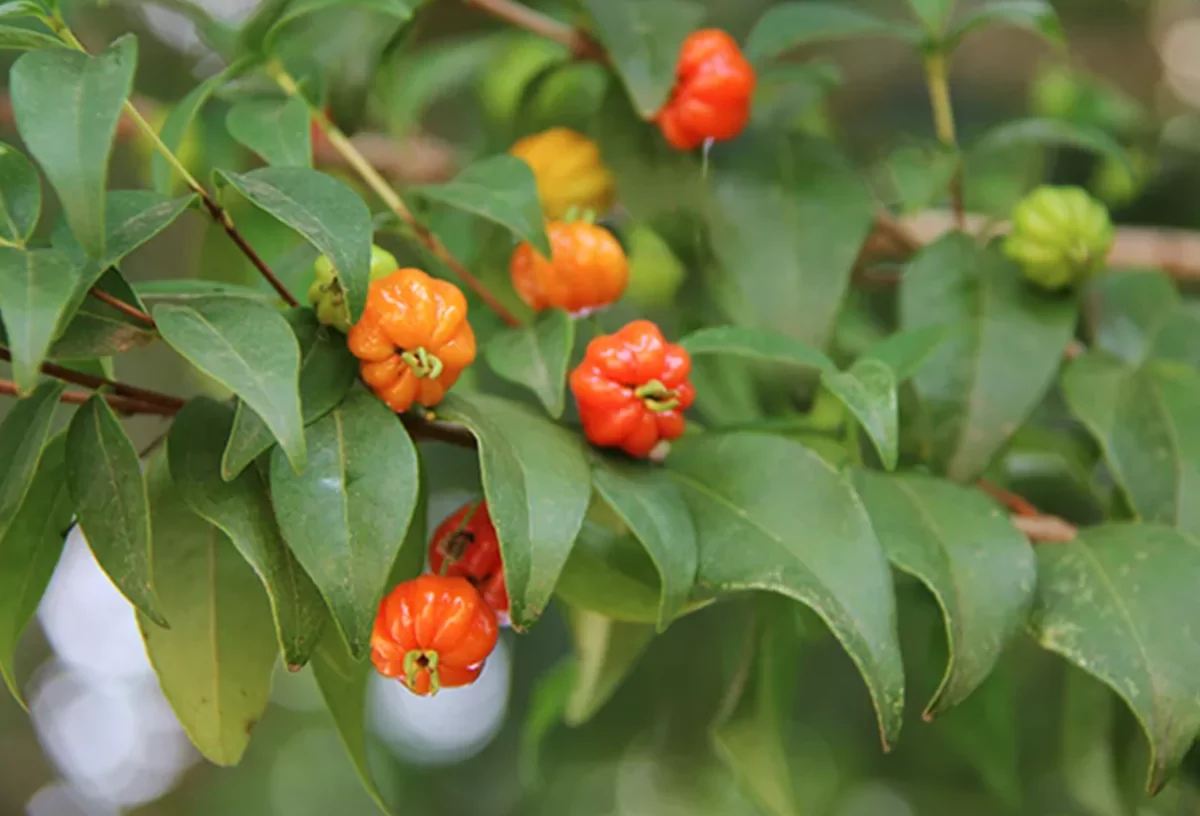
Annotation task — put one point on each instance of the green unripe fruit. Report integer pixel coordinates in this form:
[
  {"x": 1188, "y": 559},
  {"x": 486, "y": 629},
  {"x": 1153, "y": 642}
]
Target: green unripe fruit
[
  {"x": 1060, "y": 236},
  {"x": 1055, "y": 93},
  {"x": 1117, "y": 183},
  {"x": 655, "y": 274},
  {"x": 328, "y": 297}
]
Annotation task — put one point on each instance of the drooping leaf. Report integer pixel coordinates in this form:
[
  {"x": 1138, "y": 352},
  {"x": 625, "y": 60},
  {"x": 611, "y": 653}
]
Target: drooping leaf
[
  {"x": 536, "y": 356},
  {"x": 904, "y": 352},
  {"x": 241, "y": 509},
  {"x": 501, "y": 189},
  {"x": 215, "y": 662},
  {"x": 67, "y": 105},
  {"x": 327, "y": 213},
  {"x": 1117, "y": 602},
  {"x": 746, "y": 492},
  {"x": 104, "y": 478},
  {"x": 276, "y": 129},
  {"x": 1053, "y": 133},
  {"x": 35, "y": 288},
  {"x": 1005, "y": 347},
  {"x": 97, "y": 329},
  {"x": 20, "y": 196},
  {"x": 605, "y": 651},
  {"x": 537, "y": 484},
  {"x": 755, "y": 344},
  {"x": 251, "y": 349},
  {"x": 963, "y": 549},
  {"x": 345, "y": 516},
  {"x": 23, "y": 434},
  {"x": 868, "y": 389},
  {"x": 643, "y": 38},
  {"x": 653, "y": 508},
  {"x": 29, "y": 551},
  {"x": 789, "y": 25},
  {"x": 1035, "y": 16}
]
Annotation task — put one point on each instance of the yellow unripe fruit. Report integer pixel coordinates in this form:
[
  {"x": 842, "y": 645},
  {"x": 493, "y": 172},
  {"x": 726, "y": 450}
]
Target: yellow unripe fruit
[{"x": 569, "y": 171}]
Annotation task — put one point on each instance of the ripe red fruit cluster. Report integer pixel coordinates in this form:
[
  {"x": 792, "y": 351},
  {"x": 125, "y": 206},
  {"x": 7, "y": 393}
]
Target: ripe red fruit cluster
[{"x": 711, "y": 99}]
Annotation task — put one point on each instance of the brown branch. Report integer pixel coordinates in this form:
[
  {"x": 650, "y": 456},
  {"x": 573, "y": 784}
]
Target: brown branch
[
  {"x": 521, "y": 16},
  {"x": 91, "y": 381},
  {"x": 127, "y": 309},
  {"x": 123, "y": 405},
  {"x": 219, "y": 215}
]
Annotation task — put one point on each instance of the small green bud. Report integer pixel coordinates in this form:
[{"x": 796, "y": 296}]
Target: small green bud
[
  {"x": 655, "y": 274},
  {"x": 328, "y": 297},
  {"x": 1060, "y": 236}
]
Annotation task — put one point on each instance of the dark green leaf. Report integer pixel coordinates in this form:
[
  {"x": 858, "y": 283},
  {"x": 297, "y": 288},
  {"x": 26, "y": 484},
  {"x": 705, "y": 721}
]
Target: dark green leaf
[
  {"x": 546, "y": 708},
  {"x": 789, "y": 25},
  {"x": 654, "y": 509},
  {"x": 67, "y": 105},
  {"x": 501, "y": 189},
  {"x": 104, "y": 478},
  {"x": 215, "y": 662},
  {"x": 35, "y": 288},
  {"x": 278, "y": 129},
  {"x": 643, "y": 38},
  {"x": 327, "y": 213},
  {"x": 22, "y": 436},
  {"x": 242, "y": 510},
  {"x": 345, "y": 516},
  {"x": 747, "y": 493},
  {"x": 24, "y": 39},
  {"x": 537, "y": 484},
  {"x": 1118, "y": 602},
  {"x": 251, "y": 349},
  {"x": 906, "y": 351},
  {"x": 97, "y": 329},
  {"x": 1053, "y": 133},
  {"x": 1006, "y": 344},
  {"x": 132, "y": 217},
  {"x": 20, "y": 196},
  {"x": 1036, "y": 16},
  {"x": 536, "y": 356},
  {"x": 964, "y": 550},
  {"x": 755, "y": 344},
  {"x": 179, "y": 122},
  {"x": 868, "y": 389},
  {"x": 29, "y": 553},
  {"x": 180, "y": 291},
  {"x": 606, "y": 651}
]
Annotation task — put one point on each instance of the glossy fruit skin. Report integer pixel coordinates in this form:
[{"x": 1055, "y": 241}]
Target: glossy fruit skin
[
  {"x": 433, "y": 632},
  {"x": 413, "y": 340},
  {"x": 632, "y": 389},
  {"x": 469, "y": 539},
  {"x": 714, "y": 86},
  {"x": 588, "y": 269},
  {"x": 569, "y": 171},
  {"x": 1060, "y": 236},
  {"x": 328, "y": 297}
]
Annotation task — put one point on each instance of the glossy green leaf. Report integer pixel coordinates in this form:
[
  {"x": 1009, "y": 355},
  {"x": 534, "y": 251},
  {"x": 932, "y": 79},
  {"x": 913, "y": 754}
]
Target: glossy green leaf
[
  {"x": 24, "y": 39},
  {"x": 643, "y": 38},
  {"x": 29, "y": 552},
  {"x": 1036, "y": 16},
  {"x": 67, "y": 105},
  {"x": 20, "y": 196},
  {"x": 789, "y": 25},
  {"x": 537, "y": 484},
  {"x": 755, "y": 344},
  {"x": 868, "y": 389},
  {"x": 655, "y": 511},
  {"x": 23, "y": 434},
  {"x": 536, "y": 356},
  {"x": 904, "y": 352},
  {"x": 180, "y": 120},
  {"x": 747, "y": 492},
  {"x": 1117, "y": 602},
  {"x": 978, "y": 567},
  {"x": 104, "y": 478},
  {"x": 1053, "y": 133},
  {"x": 242, "y": 510},
  {"x": 1006, "y": 344},
  {"x": 605, "y": 651},
  {"x": 501, "y": 189},
  {"x": 277, "y": 129},
  {"x": 933, "y": 14},
  {"x": 215, "y": 662},
  {"x": 97, "y": 329},
  {"x": 251, "y": 349},
  {"x": 345, "y": 516},
  {"x": 35, "y": 288},
  {"x": 327, "y": 213}
]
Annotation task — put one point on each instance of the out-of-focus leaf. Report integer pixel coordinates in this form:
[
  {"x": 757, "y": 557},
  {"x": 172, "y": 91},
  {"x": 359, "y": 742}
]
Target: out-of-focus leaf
[
  {"x": 400, "y": 10},
  {"x": 906, "y": 351},
  {"x": 1038, "y": 132},
  {"x": 933, "y": 14},
  {"x": 1036, "y": 16},
  {"x": 868, "y": 389},
  {"x": 35, "y": 288},
  {"x": 606, "y": 651},
  {"x": 788, "y": 25},
  {"x": 175, "y": 128},
  {"x": 24, "y": 39},
  {"x": 1140, "y": 316},
  {"x": 757, "y": 344},
  {"x": 20, "y": 196},
  {"x": 276, "y": 129},
  {"x": 547, "y": 706},
  {"x": 536, "y": 356}
]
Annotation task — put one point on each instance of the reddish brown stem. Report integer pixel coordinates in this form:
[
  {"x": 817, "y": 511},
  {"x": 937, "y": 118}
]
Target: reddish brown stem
[
  {"x": 124, "y": 405},
  {"x": 521, "y": 16},
  {"x": 94, "y": 382},
  {"x": 124, "y": 308},
  {"x": 221, "y": 217}
]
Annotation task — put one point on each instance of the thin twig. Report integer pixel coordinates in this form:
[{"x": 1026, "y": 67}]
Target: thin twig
[
  {"x": 1018, "y": 505},
  {"x": 124, "y": 308},
  {"x": 521, "y": 16},
  {"x": 1045, "y": 529},
  {"x": 124, "y": 405},
  {"x": 91, "y": 381}
]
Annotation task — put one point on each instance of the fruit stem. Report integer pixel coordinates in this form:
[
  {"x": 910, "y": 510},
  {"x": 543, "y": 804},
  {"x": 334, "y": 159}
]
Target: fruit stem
[{"x": 937, "y": 79}]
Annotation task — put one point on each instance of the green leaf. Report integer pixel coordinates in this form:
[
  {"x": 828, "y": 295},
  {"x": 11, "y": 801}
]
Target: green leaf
[
  {"x": 501, "y": 189},
  {"x": 29, "y": 552},
  {"x": 606, "y": 651},
  {"x": 546, "y": 708},
  {"x": 789, "y": 25},
  {"x": 537, "y": 485},
  {"x": 104, "y": 478},
  {"x": 1006, "y": 344},
  {"x": 1140, "y": 316},
  {"x": 24, "y": 39},
  {"x": 747, "y": 493},
  {"x": 97, "y": 329},
  {"x": 400, "y": 10},
  {"x": 978, "y": 567},
  {"x": 179, "y": 121},
  {"x": 1053, "y": 133},
  {"x": 327, "y": 370},
  {"x": 242, "y": 510},
  {"x": 345, "y": 516},
  {"x": 1118, "y": 602},
  {"x": 654, "y": 509},
  {"x": 215, "y": 662},
  {"x": 23, "y": 434},
  {"x": 183, "y": 290},
  {"x": 906, "y": 351},
  {"x": 276, "y": 129},
  {"x": 536, "y": 356},
  {"x": 20, "y": 196},
  {"x": 67, "y": 105},
  {"x": 868, "y": 389},
  {"x": 787, "y": 218},
  {"x": 248, "y": 347},
  {"x": 934, "y": 14},
  {"x": 643, "y": 38},
  {"x": 755, "y": 344},
  {"x": 1036, "y": 16},
  {"x": 35, "y": 288},
  {"x": 327, "y": 213},
  {"x": 132, "y": 217}
]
